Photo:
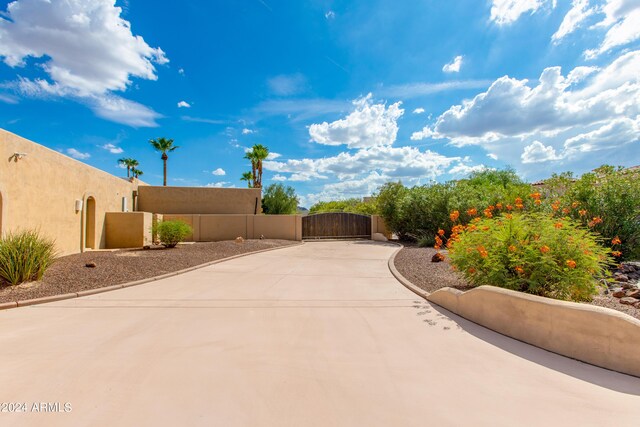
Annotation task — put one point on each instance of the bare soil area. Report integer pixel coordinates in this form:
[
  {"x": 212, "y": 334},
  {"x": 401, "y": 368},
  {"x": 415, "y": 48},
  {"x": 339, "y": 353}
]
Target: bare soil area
[
  {"x": 70, "y": 273},
  {"x": 415, "y": 264}
]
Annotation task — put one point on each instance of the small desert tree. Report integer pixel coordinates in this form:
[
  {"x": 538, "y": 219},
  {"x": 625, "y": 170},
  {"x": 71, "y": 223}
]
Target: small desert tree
[{"x": 279, "y": 200}]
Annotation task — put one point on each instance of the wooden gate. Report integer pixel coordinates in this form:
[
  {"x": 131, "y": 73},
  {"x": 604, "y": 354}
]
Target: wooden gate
[{"x": 336, "y": 225}]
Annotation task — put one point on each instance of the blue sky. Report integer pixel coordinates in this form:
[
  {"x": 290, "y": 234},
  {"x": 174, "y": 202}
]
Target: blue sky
[{"x": 346, "y": 94}]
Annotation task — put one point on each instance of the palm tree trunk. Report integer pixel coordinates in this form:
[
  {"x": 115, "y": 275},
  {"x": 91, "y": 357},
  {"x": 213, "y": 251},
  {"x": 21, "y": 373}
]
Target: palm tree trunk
[
  {"x": 128, "y": 171},
  {"x": 164, "y": 160}
]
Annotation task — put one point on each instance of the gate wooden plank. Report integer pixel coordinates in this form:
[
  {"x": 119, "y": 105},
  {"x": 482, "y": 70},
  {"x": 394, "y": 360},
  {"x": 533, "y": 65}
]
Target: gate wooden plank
[{"x": 336, "y": 225}]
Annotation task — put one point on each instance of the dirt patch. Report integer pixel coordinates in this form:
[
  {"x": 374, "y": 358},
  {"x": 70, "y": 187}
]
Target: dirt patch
[
  {"x": 415, "y": 264},
  {"x": 70, "y": 274}
]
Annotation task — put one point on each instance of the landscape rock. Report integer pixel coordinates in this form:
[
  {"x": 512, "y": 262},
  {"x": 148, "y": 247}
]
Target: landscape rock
[
  {"x": 633, "y": 293},
  {"x": 239, "y": 240},
  {"x": 437, "y": 257},
  {"x": 628, "y": 301},
  {"x": 621, "y": 277},
  {"x": 619, "y": 293},
  {"x": 626, "y": 285},
  {"x": 91, "y": 264},
  {"x": 146, "y": 247},
  {"x": 379, "y": 237}
]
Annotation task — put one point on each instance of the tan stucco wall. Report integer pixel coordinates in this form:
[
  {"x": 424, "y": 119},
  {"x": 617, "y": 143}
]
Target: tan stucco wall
[
  {"x": 378, "y": 226},
  {"x": 211, "y": 228},
  {"x": 39, "y": 192},
  {"x": 198, "y": 200},
  {"x": 595, "y": 335},
  {"x": 128, "y": 229}
]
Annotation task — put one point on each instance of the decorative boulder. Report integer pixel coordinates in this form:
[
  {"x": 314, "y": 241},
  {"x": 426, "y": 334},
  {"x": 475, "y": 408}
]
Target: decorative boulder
[
  {"x": 91, "y": 264},
  {"x": 437, "y": 257},
  {"x": 239, "y": 239},
  {"x": 379, "y": 237}
]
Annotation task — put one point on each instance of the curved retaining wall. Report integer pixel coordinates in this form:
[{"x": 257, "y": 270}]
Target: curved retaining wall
[{"x": 596, "y": 335}]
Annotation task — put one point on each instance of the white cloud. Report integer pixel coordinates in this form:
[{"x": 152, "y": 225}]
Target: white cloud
[
  {"x": 418, "y": 111},
  {"x": 181, "y": 71},
  {"x": 85, "y": 48},
  {"x": 625, "y": 28},
  {"x": 77, "y": 154},
  {"x": 113, "y": 149},
  {"x": 278, "y": 177},
  {"x": 246, "y": 131},
  {"x": 287, "y": 84},
  {"x": 330, "y": 14},
  {"x": 219, "y": 172},
  {"x": 454, "y": 65},
  {"x": 537, "y": 152},
  {"x": 121, "y": 110},
  {"x": 368, "y": 125},
  {"x": 220, "y": 184},
  {"x": 184, "y": 104},
  {"x": 511, "y": 108},
  {"x": 508, "y": 11},
  {"x": 492, "y": 156},
  {"x": 577, "y": 14},
  {"x": 300, "y": 109},
  {"x": 461, "y": 169},
  {"x": 611, "y": 135},
  {"x": 272, "y": 155},
  {"x": 416, "y": 90}
]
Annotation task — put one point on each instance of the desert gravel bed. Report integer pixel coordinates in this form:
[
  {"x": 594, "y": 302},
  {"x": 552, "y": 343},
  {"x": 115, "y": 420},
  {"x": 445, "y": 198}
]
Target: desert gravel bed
[
  {"x": 69, "y": 274},
  {"x": 415, "y": 264}
]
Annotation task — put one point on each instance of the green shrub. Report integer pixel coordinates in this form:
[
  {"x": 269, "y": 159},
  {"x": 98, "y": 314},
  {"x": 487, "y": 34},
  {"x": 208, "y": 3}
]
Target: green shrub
[
  {"x": 608, "y": 195},
  {"x": 426, "y": 241},
  {"x": 279, "y": 200},
  {"x": 25, "y": 256},
  {"x": 349, "y": 205},
  {"x": 170, "y": 233},
  {"x": 533, "y": 253}
]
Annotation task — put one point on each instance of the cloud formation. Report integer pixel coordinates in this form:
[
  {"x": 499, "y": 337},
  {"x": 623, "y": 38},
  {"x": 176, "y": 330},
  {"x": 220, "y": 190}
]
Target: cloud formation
[{"x": 453, "y": 66}]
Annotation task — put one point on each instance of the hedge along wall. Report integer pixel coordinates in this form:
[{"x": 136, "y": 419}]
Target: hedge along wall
[{"x": 596, "y": 335}]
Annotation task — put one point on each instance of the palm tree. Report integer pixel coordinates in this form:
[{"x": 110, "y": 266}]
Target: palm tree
[
  {"x": 164, "y": 146},
  {"x": 257, "y": 154},
  {"x": 136, "y": 172},
  {"x": 247, "y": 176},
  {"x": 129, "y": 163}
]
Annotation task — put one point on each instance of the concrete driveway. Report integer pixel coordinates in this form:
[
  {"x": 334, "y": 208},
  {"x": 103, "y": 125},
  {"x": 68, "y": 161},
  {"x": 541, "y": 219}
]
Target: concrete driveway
[{"x": 313, "y": 335}]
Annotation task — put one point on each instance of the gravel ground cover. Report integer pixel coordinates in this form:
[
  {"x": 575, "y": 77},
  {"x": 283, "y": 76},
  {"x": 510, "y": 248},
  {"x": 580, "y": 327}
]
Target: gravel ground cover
[
  {"x": 70, "y": 274},
  {"x": 415, "y": 264}
]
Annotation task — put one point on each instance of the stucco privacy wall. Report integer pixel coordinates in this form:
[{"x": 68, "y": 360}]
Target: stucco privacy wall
[
  {"x": 40, "y": 191},
  {"x": 207, "y": 228},
  {"x": 595, "y": 335},
  {"x": 198, "y": 200},
  {"x": 128, "y": 229}
]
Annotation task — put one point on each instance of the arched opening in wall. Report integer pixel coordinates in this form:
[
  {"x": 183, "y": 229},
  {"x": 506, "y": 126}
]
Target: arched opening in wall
[{"x": 90, "y": 224}]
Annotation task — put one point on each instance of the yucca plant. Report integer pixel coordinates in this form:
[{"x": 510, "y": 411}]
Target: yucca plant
[{"x": 25, "y": 256}]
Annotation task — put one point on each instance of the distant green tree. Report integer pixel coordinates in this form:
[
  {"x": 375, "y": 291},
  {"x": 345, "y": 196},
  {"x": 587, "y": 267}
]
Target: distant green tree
[
  {"x": 279, "y": 200},
  {"x": 164, "y": 146},
  {"x": 129, "y": 163},
  {"x": 353, "y": 205},
  {"x": 257, "y": 154}
]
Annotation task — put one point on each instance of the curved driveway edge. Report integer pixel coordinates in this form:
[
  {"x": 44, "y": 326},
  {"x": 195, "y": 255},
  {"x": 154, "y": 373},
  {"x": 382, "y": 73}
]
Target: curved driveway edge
[
  {"x": 53, "y": 298},
  {"x": 319, "y": 334}
]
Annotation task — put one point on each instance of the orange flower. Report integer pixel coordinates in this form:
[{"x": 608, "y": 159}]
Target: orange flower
[
  {"x": 558, "y": 225},
  {"x": 509, "y": 207},
  {"x": 499, "y": 205},
  {"x": 616, "y": 253},
  {"x": 535, "y": 196},
  {"x": 571, "y": 263},
  {"x": 616, "y": 241},
  {"x": 575, "y": 204},
  {"x": 582, "y": 212},
  {"x": 512, "y": 248},
  {"x": 472, "y": 212},
  {"x": 518, "y": 201},
  {"x": 483, "y": 252},
  {"x": 519, "y": 270},
  {"x": 491, "y": 208},
  {"x": 438, "y": 241},
  {"x": 508, "y": 216},
  {"x": 544, "y": 249},
  {"x": 436, "y": 246},
  {"x": 595, "y": 221},
  {"x": 566, "y": 211},
  {"x": 454, "y": 216},
  {"x": 485, "y": 228},
  {"x": 471, "y": 270},
  {"x": 487, "y": 213},
  {"x": 472, "y": 227},
  {"x": 441, "y": 232},
  {"x": 476, "y": 219},
  {"x": 519, "y": 206},
  {"x": 537, "y": 202}
]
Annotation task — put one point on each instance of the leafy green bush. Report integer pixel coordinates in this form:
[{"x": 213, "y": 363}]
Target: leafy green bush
[
  {"x": 170, "y": 233},
  {"x": 349, "y": 205},
  {"x": 25, "y": 256},
  {"x": 607, "y": 200},
  {"x": 533, "y": 253},
  {"x": 279, "y": 200}
]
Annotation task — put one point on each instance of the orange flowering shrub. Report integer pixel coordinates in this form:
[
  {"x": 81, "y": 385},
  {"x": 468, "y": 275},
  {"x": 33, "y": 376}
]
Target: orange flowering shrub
[{"x": 529, "y": 252}]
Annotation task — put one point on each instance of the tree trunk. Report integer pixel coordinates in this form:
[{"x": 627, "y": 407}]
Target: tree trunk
[
  {"x": 164, "y": 160},
  {"x": 127, "y": 171}
]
